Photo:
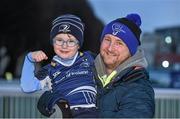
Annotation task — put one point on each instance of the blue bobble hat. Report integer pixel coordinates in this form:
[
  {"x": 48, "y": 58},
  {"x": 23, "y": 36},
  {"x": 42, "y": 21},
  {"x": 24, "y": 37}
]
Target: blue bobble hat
[
  {"x": 127, "y": 29},
  {"x": 68, "y": 24}
]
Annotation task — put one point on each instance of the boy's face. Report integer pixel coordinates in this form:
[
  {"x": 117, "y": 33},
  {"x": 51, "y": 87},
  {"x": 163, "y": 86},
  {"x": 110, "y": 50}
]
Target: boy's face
[{"x": 65, "y": 45}]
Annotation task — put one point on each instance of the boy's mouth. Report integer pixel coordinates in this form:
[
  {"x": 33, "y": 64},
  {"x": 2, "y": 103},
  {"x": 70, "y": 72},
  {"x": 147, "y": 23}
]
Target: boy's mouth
[{"x": 64, "y": 51}]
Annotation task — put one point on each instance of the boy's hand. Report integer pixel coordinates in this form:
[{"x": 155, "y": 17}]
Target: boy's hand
[{"x": 39, "y": 56}]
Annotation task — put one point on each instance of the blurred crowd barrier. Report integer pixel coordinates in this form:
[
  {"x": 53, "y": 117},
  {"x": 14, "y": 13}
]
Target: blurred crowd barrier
[{"x": 16, "y": 104}]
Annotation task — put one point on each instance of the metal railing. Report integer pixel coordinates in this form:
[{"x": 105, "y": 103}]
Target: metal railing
[
  {"x": 167, "y": 103},
  {"x": 16, "y": 104}
]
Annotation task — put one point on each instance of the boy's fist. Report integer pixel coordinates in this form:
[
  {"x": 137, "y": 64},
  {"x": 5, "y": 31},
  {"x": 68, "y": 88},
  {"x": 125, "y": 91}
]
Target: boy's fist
[{"x": 39, "y": 56}]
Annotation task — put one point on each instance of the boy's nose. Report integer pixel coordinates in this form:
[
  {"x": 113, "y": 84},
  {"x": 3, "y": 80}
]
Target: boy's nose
[{"x": 64, "y": 45}]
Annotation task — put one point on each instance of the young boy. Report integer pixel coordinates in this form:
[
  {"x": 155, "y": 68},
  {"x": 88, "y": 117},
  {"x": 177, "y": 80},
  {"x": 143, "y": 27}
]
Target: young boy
[{"x": 69, "y": 76}]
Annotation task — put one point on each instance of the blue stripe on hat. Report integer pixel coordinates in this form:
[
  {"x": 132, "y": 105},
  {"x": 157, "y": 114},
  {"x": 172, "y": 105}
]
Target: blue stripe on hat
[{"x": 70, "y": 24}]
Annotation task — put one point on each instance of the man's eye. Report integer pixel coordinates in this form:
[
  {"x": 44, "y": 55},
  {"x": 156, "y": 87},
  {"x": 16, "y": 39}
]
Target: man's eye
[
  {"x": 107, "y": 39},
  {"x": 119, "y": 43}
]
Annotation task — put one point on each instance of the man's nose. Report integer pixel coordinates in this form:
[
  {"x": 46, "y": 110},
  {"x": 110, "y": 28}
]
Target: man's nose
[{"x": 111, "y": 46}]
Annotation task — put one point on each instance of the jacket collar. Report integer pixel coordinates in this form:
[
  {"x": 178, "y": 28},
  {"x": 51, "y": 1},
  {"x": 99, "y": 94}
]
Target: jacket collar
[{"x": 136, "y": 60}]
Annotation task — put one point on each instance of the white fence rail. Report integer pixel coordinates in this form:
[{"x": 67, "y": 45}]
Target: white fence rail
[{"x": 15, "y": 104}]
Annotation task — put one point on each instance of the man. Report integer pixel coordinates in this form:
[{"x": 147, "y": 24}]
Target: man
[{"x": 124, "y": 89}]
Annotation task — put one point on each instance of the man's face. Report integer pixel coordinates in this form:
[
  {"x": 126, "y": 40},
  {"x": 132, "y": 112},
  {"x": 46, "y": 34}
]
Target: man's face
[
  {"x": 65, "y": 45},
  {"x": 113, "y": 51}
]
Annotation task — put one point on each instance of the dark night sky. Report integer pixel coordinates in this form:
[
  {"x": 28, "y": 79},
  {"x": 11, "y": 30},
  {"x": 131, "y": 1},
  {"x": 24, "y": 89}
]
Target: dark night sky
[{"x": 25, "y": 26}]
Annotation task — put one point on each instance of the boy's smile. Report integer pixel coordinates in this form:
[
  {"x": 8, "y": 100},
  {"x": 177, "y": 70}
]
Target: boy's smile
[{"x": 64, "y": 51}]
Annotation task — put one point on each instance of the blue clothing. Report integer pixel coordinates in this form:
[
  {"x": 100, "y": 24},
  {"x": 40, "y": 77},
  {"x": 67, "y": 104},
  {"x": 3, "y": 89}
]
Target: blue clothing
[
  {"x": 29, "y": 83},
  {"x": 130, "y": 95},
  {"x": 75, "y": 83}
]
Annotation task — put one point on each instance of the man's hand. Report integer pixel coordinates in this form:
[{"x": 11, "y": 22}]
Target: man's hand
[{"x": 39, "y": 56}]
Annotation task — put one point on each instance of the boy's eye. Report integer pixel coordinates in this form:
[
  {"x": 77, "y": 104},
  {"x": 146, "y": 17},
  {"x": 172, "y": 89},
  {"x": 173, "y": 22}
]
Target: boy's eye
[
  {"x": 59, "y": 40},
  {"x": 71, "y": 41}
]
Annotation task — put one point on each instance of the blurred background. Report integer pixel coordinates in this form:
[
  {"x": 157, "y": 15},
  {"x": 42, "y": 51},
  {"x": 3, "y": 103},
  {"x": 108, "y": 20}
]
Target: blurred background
[{"x": 25, "y": 27}]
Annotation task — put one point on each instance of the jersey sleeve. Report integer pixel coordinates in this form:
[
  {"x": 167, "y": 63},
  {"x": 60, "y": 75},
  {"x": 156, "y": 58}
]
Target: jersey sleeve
[{"x": 28, "y": 81}]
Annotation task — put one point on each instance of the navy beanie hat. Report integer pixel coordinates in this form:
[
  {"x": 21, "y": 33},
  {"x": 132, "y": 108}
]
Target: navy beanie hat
[
  {"x": 68, "y": 24},
  {"x": 127, "y": 29}
]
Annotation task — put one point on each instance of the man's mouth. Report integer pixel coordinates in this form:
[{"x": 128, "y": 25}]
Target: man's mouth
[{"x": 110, "y": 54}]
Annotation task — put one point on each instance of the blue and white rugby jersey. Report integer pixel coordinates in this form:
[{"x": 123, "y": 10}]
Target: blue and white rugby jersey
[{"x": 75, "y": 82}]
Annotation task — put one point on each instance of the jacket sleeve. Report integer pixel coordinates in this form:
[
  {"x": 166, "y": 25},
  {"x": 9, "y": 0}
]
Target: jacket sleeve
[
  {"x": 29, "y": 83},
  {"x": 136, "y": 102}
]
